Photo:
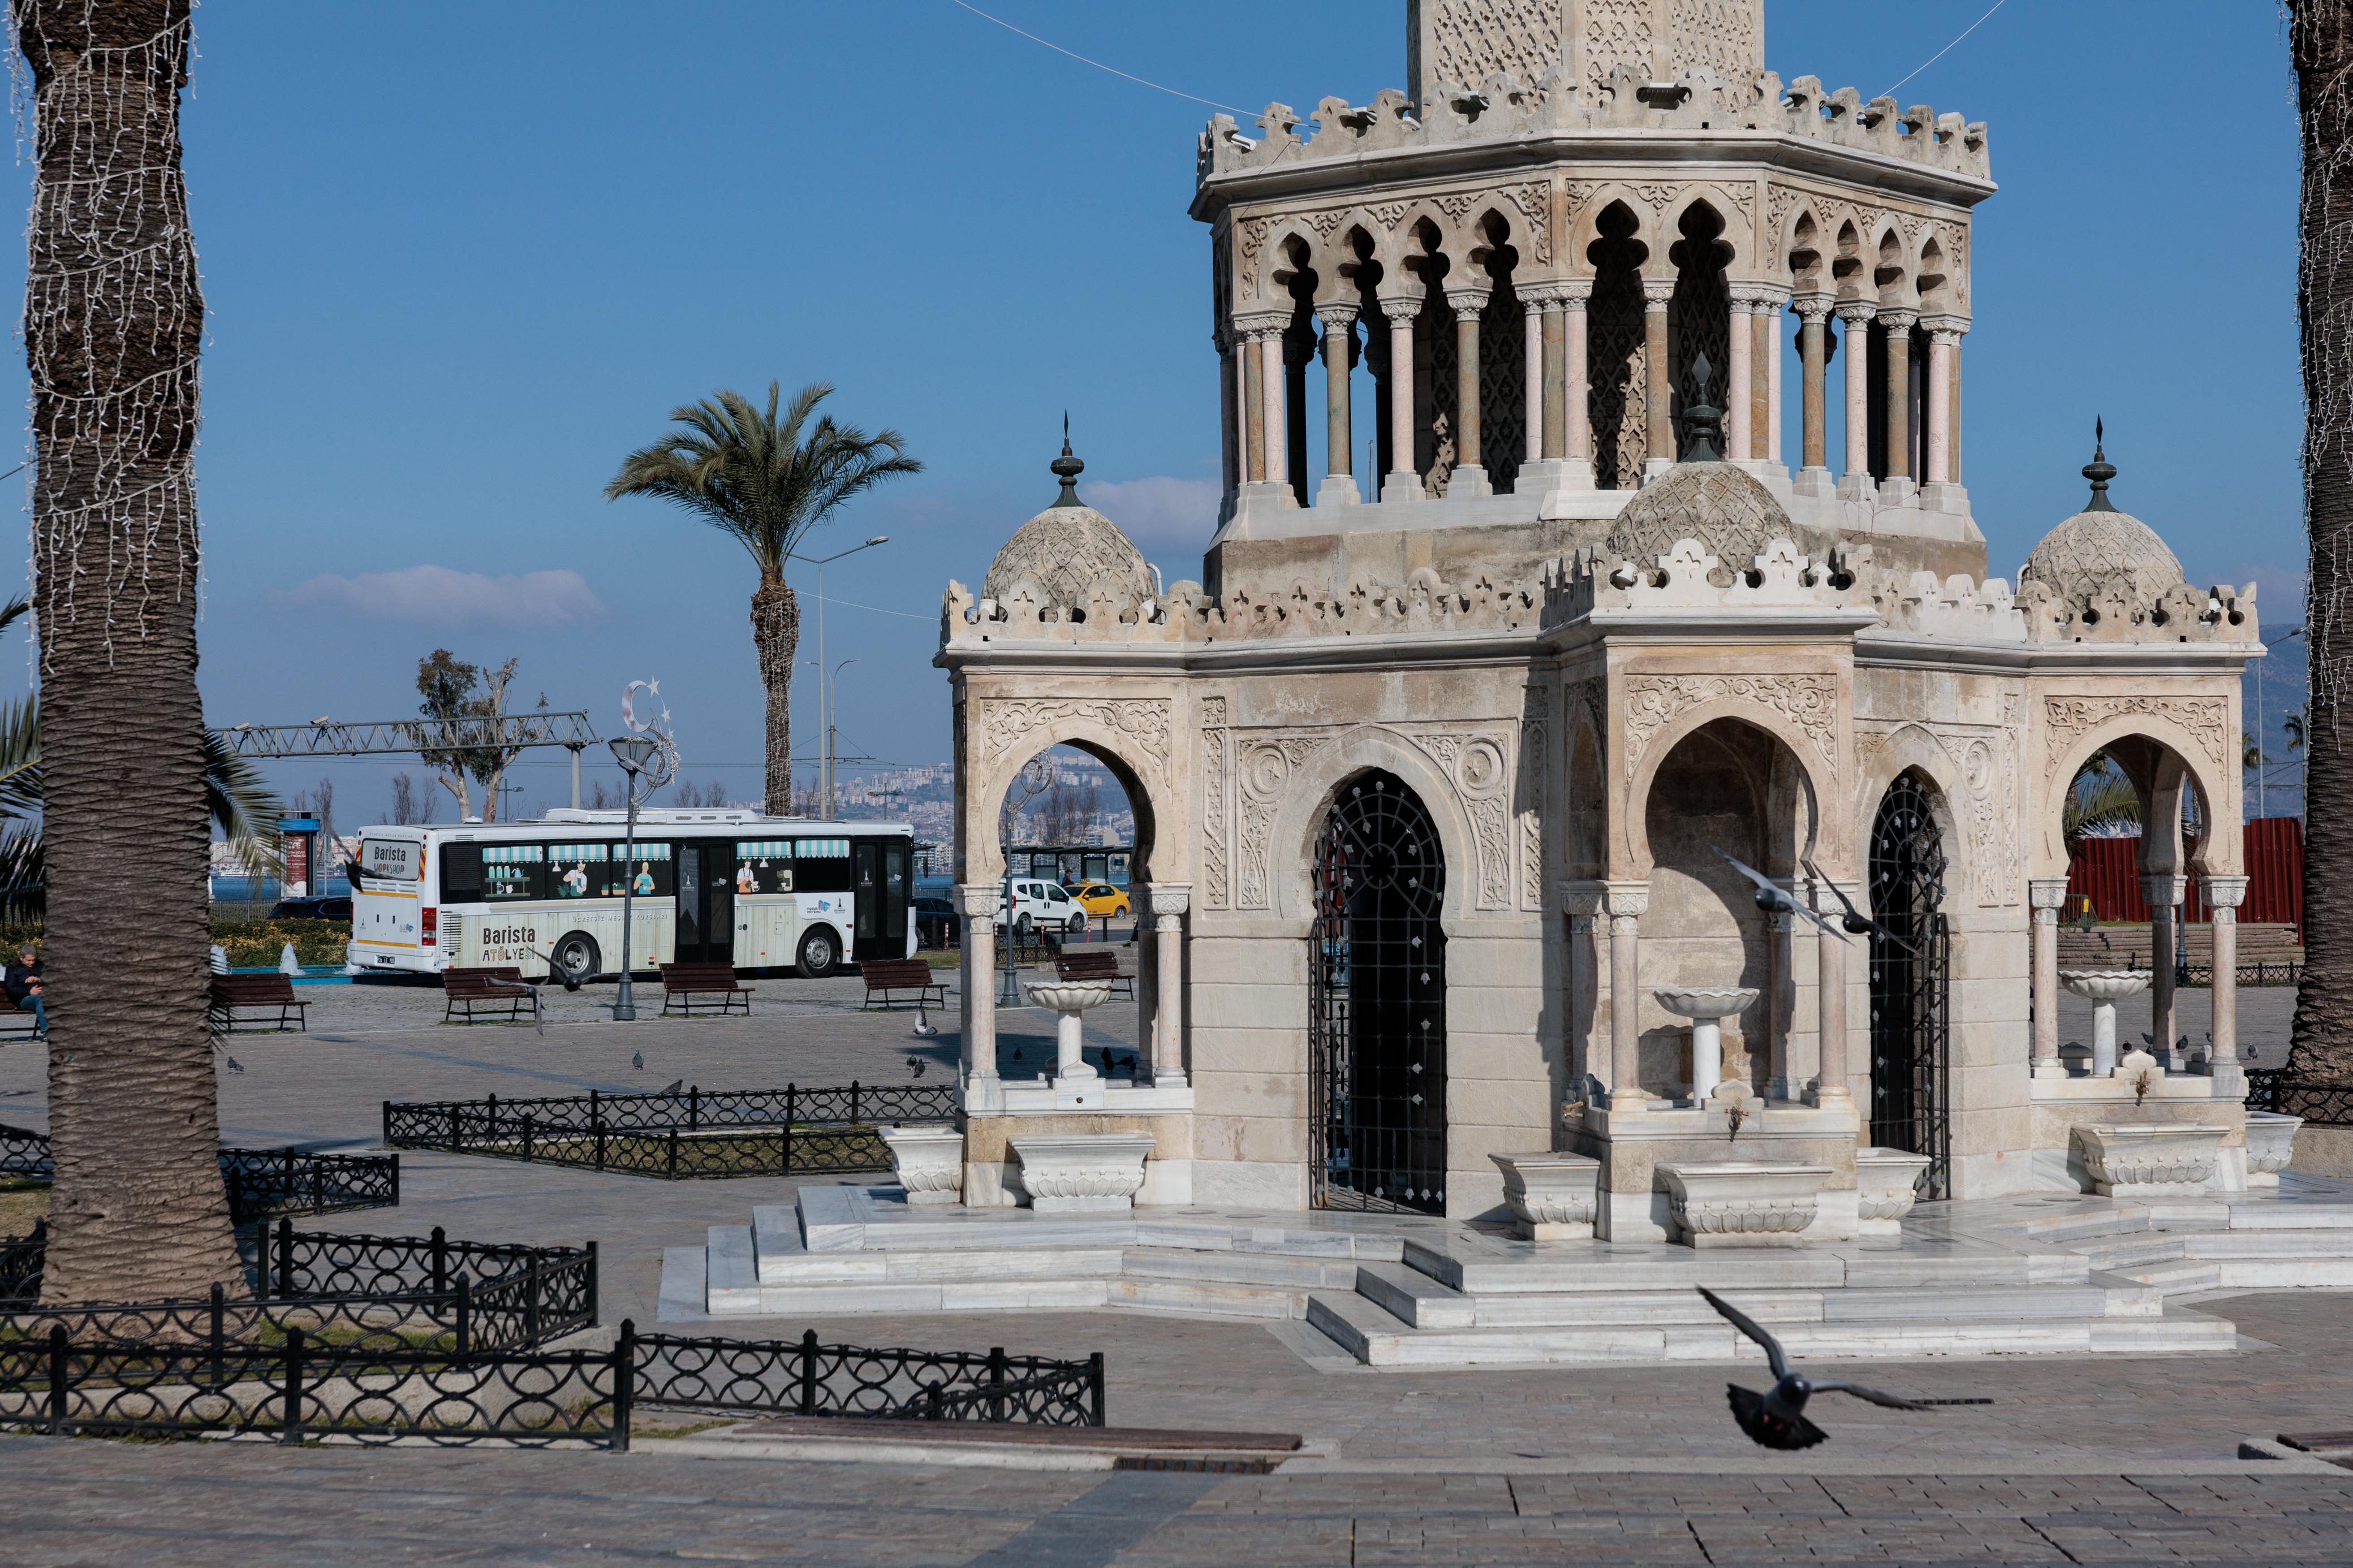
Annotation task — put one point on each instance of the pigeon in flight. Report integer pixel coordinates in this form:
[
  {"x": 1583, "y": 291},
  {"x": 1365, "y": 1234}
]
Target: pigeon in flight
[
  {"x": 638, "y": 1060},
  {"x": 1777, "y": 1419},
  {"x": 1774, "y": 898},
  {"x": 924, "y": 1027},
  {"x": 675, "y": 1085},
  {"x": 1854, "y": 919}
]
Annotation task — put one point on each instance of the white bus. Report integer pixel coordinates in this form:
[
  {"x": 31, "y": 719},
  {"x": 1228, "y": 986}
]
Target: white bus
[{"x": 712, "y": 886}]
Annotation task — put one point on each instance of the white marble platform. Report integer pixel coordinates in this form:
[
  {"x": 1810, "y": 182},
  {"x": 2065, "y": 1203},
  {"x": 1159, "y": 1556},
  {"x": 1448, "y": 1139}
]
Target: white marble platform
[{"x": 2038, "y": 1275}]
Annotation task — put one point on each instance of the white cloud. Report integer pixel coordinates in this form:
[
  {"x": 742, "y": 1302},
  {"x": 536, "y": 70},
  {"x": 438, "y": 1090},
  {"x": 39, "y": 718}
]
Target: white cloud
[
  {"x": 1160, "y": 512},
  {"x": 440, "y": 595}
]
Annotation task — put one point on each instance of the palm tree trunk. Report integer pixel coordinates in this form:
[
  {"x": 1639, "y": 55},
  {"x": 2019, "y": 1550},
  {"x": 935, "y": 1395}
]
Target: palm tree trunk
[
  {"x": 112, "y": 326},
  {"x": 776, "y": 638},
  {"x": 2320, "y": 42}
]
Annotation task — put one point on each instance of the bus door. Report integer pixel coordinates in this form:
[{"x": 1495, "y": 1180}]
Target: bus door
[
  {"x": 706, "y": 903},
  {"x": 898, "y": 883},
  {"x": 866, "y": 881}
]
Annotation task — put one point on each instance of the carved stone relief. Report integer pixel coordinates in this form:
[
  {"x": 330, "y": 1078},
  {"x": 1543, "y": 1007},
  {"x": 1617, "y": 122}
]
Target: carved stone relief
[
  {"x": 1215, "y": 858},
  {"x": 1655, "y": 701},
  {"x": 1533, "y": 725},
  {"x": 1143, "y": 722},
  {"x": 2206, "y": 718}
]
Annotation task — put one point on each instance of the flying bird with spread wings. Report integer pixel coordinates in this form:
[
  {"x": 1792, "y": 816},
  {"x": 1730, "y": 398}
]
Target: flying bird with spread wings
[
  {"x": 1778, "y": 1419},
  {"x": 1854, "y": 919},
  {"x": 1773, "y": 897}
]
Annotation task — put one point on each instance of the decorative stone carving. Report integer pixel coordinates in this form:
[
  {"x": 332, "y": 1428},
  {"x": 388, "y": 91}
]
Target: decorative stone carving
[
  {"x": 1552, "y": 1196},
  {"x": 1733, "y": 516},
  {"x": 1214, "y": 803},
  {"x": 2149, "y": 1160},
  {"x": 1007, "y": 722},
  {"x": 2206, "y": 718},
  {"x": 1267, "y": 765},
  {"x": 2271, "y": 1144},
  {"x": 928, "y": 1162},
  {"x": 1531, "y": 804},
  {"x": 1742, "y": 1203},
  {"x": 1655, "y": 701},
  {"x": 1083, "y": 1173},
  {"x": 1887, "y": 1183},
  {"x": 2077, "y": 558}
]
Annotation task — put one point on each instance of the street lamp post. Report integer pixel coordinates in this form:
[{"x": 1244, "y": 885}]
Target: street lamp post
[
  {"x": 832, "y": 706},
  {"x": 2260, "y": 736},
  {"x": 825, "y": 717},
  {"x": 640, "y": 756}
]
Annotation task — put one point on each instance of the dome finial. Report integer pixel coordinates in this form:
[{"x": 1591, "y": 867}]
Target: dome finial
[
  {"x": 1702, "y": 421},
  {"x": 2099, "y": 471},
  {"x": 1067, "y": 469}
]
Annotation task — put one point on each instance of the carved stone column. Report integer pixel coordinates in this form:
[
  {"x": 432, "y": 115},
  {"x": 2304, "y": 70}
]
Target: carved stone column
[
  {"x": 2224, "y": 897},
  {"x": 1401, "y": 483},
  {"x": 1781, "y": 1009},
  {"x": 2163, "y": 894},
  {"x": 1813, "y": 357},
  {"x": 1830, "y": 1087},
  {"x": 1943, "y": 467},
  {"x": 1583, "y": 902},
  {"x": 1854, "y": 342},
  {"x": 1469, "y": 474},
  {"x": 1565, "y": 469},
  {"x": 1271, "y": 377},
  {"x": 1169, "y": 902},
  {"x": 1659, "y": 448},
  {"x": 2046, "y": 894},
  {"x": 1771, "y": 302},
  {"x": 1231, "y": 436},
  {"x": 1578, "y": 390},
  {"x": 979, "y": 901},
  {"x": 1339, "y": 486},
  {"x": 1254, "y": 408},
  {"x": 1898, "y": 487},
  {"x": 1627, "y": 902},
  {"x": 1740, "y": 404},
  {"x": 1532, "y": 403}
]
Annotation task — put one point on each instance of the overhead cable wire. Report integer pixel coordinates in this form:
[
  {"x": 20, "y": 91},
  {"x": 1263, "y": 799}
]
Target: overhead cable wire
[
  {"x": 1932, "y": 59},
  {"x": 1083, "y": 61}
]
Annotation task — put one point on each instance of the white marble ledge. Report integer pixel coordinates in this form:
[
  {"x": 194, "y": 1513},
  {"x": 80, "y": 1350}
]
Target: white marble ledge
[
  {"x": 2163, "y": 1088},
  {"x": 1099, "y": 1099},
  {"x": 1767, "y": 1119}
]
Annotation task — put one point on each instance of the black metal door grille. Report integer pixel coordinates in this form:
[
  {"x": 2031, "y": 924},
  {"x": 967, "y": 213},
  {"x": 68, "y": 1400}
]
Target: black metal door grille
[
  {"x": 1376, "y": 1018},
  {"x": 1911, "y": 984}
]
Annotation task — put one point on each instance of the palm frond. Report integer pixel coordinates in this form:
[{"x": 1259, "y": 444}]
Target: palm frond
[
  {"x": 21, "y": 777},
  {"x": 15, "y": 610},
  {"x": 2101, "y": 804},
  {"x": 24, "y": 895},
  {"x": 243, "y": 807}
]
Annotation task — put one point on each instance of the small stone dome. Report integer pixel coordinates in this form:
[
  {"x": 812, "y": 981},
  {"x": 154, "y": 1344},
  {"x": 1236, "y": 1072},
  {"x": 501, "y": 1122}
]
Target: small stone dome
[
  {"x": 1068, "y": 548},
  {"x": 1728, "y": 510},
  {"x": 2078, "y": 557}
]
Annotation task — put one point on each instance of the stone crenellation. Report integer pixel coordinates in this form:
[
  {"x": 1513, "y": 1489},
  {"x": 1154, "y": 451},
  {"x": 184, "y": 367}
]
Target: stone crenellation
[{"x": 1503, "y": 106}]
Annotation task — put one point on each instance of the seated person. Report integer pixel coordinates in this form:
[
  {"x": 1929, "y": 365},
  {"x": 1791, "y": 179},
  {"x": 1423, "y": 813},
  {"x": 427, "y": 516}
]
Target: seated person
[{"x": 22, "y": 982}]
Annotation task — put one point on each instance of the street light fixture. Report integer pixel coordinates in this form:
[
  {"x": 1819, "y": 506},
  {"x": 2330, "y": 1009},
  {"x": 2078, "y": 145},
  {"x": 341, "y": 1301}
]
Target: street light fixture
[
  {"x": 640, "y": 757},
  {"x": 825, "y": 715}
]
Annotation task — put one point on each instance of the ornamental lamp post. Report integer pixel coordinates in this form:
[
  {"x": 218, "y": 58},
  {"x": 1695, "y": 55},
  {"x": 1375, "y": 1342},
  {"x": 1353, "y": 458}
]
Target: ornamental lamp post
[
  {"x": 637, "y": 755},
  {"x": 825, "y": 699}
]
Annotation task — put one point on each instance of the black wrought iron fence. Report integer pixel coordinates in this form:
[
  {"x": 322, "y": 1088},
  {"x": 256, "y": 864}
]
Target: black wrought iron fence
[
  {"x": 2320, "y": 1104},
  {"x": 22, "y": 1259},
  {"x": 248, "y": 1369},
  {"x": 263, "y": 1183},
  {"x": 2270, "y": 972},
  {"x": 803, "y": 1377},
  {"x": 691, "y": 1134}
]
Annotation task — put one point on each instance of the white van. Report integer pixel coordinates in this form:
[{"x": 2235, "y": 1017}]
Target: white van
[{"x": 1040, "y": 906}]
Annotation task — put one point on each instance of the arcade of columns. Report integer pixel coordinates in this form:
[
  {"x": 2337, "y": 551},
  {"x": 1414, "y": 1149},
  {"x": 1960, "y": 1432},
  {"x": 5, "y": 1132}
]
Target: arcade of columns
[{"x": 1920, "y": 414}]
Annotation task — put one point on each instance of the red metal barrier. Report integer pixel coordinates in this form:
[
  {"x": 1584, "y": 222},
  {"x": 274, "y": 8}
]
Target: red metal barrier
[{"x": 2107, "y": 871}]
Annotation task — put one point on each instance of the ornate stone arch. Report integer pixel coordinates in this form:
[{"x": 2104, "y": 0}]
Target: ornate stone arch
[
  {"x": 1277, "y": 266},
  {"x": 1135, "y": 737},
  {"x": 1585, "y": 227},
  {"x": 1660, "y": 712},
  {"x": 1397, "y": 244},
  {"x": 1314, "y": 780},
  {"x": 1739, "y": 228},
  {"x": 2196, "y": 734},
  {"x": 1916, "y": 749}
]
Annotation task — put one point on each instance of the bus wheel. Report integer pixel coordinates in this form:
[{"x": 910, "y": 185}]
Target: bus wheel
[
  {"x": 577, "y": 957},
  {"x": 819, "y": 953}
]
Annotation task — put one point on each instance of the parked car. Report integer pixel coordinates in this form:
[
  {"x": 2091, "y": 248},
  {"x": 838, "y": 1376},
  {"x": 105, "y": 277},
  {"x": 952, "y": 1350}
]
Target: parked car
[
  {"x": 937, "y": 924},
  {"x": 1101, "y": 899},
  {"x": 1040, "y": 906},
  {"x": 318, "y": 907}
]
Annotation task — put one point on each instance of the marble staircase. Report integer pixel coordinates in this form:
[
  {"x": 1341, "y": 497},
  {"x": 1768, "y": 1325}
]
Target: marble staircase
[{"x": 2043, "y": 1274}]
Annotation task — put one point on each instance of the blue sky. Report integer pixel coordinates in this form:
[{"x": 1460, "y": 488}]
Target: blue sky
[{"x": 460, "y": 258}]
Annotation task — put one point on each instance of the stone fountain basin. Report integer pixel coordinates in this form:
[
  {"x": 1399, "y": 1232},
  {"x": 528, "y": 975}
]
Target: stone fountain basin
[
  {"x": 1083, "y": 1173},
  {"x": 1069, "y": 995},
  {"x": 1705, "y": 1003},
  {"x": 2105, "y": 985},
  {"x": 1742, "y": 1203},
  {"x": 928, "y": 1161},
  {"x": 2271, "y": 1144},
  {"x": 1887, "y": 1183},
  {"x": 1552, "y": 1195},
  {"x": 2149, "y": 1159}
]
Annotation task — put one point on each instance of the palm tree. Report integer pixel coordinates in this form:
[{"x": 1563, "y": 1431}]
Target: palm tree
[
  {"x": 755, "y": 475},
  {"x": 114, "y": 326},
  {"x": 2101, "y": 804},
  {"x": 2320, "y": 48}
]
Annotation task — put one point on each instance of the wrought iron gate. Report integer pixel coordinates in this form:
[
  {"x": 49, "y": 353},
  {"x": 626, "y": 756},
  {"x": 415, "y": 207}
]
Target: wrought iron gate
[
  {"x": 1377, "y": 1011},
  {"x": 1911, "y": 984}
]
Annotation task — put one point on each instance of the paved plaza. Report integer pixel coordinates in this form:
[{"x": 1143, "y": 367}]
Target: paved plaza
[{"x": 2121, "y": 1460}]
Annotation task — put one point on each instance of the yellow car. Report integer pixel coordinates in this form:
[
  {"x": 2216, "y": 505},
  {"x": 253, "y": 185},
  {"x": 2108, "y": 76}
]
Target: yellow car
[{"x": 1101, "y": 899}]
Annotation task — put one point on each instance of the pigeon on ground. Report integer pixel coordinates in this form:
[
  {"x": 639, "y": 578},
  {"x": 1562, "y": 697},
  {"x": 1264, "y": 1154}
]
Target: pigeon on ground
[
  {"x": 638, "y": 1060},
  {"x": 916, "y": 1065},
  {"x": 234, "y": 1065},
  {"x": 1777, "y": 1419},
  {"x": 1854, "y": 919},
  {"x": 924, "y": 1027},
  {"x": 675, "y": 1085},
  {"x": 1774, "y": 898}
]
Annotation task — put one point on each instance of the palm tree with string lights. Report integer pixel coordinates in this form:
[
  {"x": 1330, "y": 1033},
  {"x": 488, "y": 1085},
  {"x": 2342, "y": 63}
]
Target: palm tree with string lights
[{"x": 767, "y": 477}]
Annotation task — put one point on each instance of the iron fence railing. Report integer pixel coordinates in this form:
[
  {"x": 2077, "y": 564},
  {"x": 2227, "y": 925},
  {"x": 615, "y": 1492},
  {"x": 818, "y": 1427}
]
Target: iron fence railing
[
  {"x": 22, "y": 1260},
  {"x": 263, "y": 1183},
  {"x": 689, "y": 1133},
  {"x": 2266, "y": 972},
  {"x": 248, "y": 1369},
  {"x": 2320, "y": 1104}
]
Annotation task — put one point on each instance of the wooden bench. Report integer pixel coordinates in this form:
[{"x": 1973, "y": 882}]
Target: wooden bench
[
  {"x": 887, "y": 977},
  {"x": 683, "y": 983},
  {"x": 240, "y": 999},
  {"x": 1092, "y": 963},
  {"x": 491, "y": 991}
]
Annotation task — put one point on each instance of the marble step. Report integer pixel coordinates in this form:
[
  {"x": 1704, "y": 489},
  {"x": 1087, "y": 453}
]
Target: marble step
[
  {"x": 2175, "y": 1275},
  {"x": 1376, "y": 1337},
  {"x": 1555, "y": 1269},
  {"x": 860, "y": 1219},
  {"x": 1208, "y": 1299},
  {"x": 2267, "y": 1243}
]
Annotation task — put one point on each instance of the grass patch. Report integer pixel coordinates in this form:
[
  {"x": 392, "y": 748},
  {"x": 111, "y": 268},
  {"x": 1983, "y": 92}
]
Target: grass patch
[
  {"x": 22, "y": 1204},
  {"x": 746, "y": 1151}
]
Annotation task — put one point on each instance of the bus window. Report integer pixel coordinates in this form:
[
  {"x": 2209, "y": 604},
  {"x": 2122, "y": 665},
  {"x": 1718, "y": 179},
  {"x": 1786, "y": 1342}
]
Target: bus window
[
  {"x": 764, "y": 866},
  {"x": 583, "y": 870},
  {"x": 461, "y": 874},
  {"x": 652, "y": 876},
  {"x": 514, "y": 871},
  {"x": 821, "y": 866}
]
